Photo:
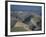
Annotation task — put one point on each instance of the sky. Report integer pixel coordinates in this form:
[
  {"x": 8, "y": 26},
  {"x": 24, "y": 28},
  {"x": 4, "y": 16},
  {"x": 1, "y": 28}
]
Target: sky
[{"x": 36, "y": 9}]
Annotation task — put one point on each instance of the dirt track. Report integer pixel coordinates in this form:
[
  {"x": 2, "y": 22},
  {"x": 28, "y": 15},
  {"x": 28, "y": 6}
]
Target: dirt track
[{"x": 20, "y": 24}]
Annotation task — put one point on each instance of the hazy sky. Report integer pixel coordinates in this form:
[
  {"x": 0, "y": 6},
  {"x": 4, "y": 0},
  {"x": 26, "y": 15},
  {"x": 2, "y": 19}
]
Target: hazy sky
[
  {"x": 22, "y": 7},
  {"x": 36, "y": 9}
]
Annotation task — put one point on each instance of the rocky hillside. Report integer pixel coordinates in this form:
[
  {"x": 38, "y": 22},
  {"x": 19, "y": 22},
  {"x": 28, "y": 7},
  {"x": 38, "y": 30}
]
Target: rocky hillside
[{"x": 28, "y": 20}]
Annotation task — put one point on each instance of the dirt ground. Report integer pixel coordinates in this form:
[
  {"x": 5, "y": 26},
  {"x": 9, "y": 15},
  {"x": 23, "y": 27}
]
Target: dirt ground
[{"x": 20, "y": 26}]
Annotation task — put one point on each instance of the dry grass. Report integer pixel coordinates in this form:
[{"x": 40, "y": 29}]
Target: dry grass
[{"x": 19, "y": 26}]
